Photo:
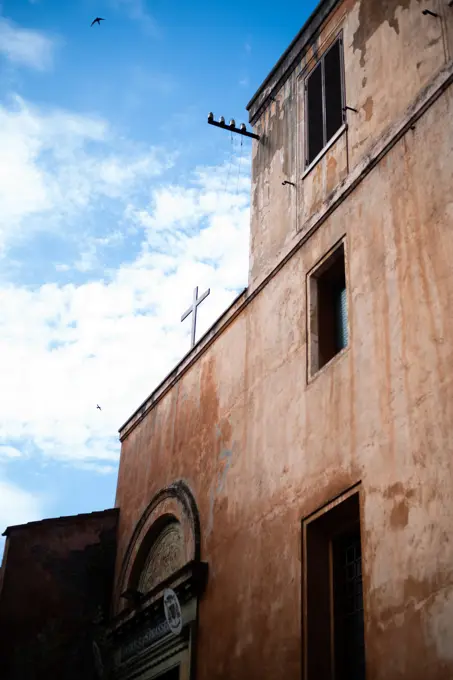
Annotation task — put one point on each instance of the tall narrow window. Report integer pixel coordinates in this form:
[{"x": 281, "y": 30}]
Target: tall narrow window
[
  {"x": 328, "y": 329},
  {"x": 324, "y": 101},
  {"x": 348, "y": 606},
  {"x": 334, "y": 642},
  {"x": 315, "y": 124}
]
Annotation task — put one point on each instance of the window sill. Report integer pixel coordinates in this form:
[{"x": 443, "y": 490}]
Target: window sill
[
  {"x": 323, "y": 151},
  {"x": 312, "y": 377}
]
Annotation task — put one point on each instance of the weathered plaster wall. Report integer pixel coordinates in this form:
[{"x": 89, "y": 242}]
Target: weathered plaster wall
[
  {"x": 391, "y": 53},
  {"x": 261, "y": 449},
  {"x": 58, "y": 577}
]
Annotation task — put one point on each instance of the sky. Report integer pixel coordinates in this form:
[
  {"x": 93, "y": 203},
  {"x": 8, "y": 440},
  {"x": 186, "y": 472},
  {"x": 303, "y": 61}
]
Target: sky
[{"x": 116, "y": 200}]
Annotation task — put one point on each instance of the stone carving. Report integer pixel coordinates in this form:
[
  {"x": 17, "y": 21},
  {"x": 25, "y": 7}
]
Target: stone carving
[
  {"x": 165, "y": 557},
  {"x": 179, "y": 494}
]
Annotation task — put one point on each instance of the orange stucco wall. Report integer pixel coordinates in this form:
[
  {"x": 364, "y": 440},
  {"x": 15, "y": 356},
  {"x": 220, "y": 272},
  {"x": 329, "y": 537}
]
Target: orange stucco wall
[{"x": 261, "y": 447}]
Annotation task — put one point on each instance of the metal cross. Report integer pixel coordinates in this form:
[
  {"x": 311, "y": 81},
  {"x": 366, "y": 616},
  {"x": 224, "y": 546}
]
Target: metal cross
[{"x": 193, "y": 308}]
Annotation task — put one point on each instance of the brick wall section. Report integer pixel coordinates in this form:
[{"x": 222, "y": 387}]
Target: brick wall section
[{"x": 57, "y": 579}]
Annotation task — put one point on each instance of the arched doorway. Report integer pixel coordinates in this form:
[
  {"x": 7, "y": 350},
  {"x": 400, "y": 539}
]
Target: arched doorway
[{"x": 153, "y": 634}]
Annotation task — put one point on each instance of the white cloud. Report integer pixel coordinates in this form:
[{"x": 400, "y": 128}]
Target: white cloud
[
  {"x": 54, "y": 165},
  {"x": 24, "y": 46},
  {"x": 9, "y": 452},
  {"x": 17, "y": 506},
  {"x": 66, "y": 348}
]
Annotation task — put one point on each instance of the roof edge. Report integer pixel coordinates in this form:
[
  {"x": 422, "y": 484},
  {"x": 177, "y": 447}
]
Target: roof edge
[
  {"x": 64, "y": 518},
  {"x": 217, "y": 327},
  {"x": 289, "y": 56}
]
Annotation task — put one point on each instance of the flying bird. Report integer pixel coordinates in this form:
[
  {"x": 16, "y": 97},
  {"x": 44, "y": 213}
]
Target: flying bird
[
  {"x": 97, "y": 21},
  {"x": 97, "y": 406}
]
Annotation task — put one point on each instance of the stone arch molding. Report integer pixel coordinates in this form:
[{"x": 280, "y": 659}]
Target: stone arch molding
[{"x": 166, "y": 537}]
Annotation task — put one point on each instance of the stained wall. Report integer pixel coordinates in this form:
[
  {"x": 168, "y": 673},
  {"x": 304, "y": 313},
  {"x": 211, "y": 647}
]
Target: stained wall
[
  {"x": 260, "y": 445},
  {"x": 391, "y": 54}
]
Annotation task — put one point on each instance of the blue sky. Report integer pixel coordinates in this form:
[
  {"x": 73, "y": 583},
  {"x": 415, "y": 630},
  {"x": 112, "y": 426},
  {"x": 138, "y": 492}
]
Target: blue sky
[{"x": 116, "y": 200}]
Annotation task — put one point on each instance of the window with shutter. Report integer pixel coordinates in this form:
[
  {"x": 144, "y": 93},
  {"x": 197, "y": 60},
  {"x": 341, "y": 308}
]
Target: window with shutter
[
  {"x": 324, "y": 101},
  {"x": 342, "y": 319}
]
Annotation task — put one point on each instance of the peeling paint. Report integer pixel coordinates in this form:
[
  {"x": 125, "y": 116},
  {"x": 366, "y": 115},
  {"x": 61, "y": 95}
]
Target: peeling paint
[
  {"x": 400, "y": 515},
  {"x": 439, "y": 626},
  {"x": 218, "y": 483},
  {"x": 368, "y": 108},
  {"x": 372, "y": 15}
]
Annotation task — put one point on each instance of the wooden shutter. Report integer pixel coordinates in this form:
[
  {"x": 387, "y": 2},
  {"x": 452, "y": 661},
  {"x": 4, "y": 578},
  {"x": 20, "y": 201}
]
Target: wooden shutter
[{"x": 342, "y": 319}]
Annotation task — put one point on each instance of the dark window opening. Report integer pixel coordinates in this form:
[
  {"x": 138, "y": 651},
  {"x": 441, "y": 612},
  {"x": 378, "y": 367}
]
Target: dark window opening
[
  {"x": 333, "y": 90},
  {"x": 328, "y": 310},
  {"x": 334, "y": 643},
  {"x": 172, "y": 674},
  {"x": 348, "y": 607},
  {"x": 314, "y": 112},
  {"x": 324, "y": 101}
]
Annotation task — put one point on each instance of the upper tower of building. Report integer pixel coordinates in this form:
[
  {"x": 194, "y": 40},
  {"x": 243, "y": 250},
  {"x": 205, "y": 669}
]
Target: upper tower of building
[{"x": 341, "y": 92}]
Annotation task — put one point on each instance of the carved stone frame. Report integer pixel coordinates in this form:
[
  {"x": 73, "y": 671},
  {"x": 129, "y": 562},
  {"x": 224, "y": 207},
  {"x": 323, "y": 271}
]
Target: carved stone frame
[
  {"x": 141, "y": 643},
  {"x": 174, "y": 502},
  {"x": 166, "y": 556}
]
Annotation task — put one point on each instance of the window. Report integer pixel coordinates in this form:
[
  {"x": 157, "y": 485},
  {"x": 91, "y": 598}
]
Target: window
[
  {"x": 348, "y": 606},
  {"x": 173, "y": 674},
  {"x": 334, "y": 642},
  {"x": 328, "y": 309},
  {"x": 324, "y": 101}
]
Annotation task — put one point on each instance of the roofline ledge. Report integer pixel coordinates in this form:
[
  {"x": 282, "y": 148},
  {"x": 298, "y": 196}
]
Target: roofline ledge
[
  {"x": 287, "y": 61},
  {"x": 63, "y": 519},
  {"x": 184, "y": 364}
]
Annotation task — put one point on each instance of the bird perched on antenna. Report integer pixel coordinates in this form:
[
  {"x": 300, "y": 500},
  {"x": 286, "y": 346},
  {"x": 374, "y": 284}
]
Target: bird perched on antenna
[{"x": 97, "y": 21}]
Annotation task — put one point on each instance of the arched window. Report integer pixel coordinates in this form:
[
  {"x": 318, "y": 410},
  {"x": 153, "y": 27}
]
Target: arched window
[
  {"x": 163, "y": 555},
  {"x": 164, "y": 558},
  {"x": 165, "y": 540}
]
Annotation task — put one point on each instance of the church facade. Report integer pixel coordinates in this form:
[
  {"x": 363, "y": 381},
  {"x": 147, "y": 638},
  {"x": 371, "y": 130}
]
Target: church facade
[
  {"x": 296, "y": 467},
  {"x": 285, "y": 495}
]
